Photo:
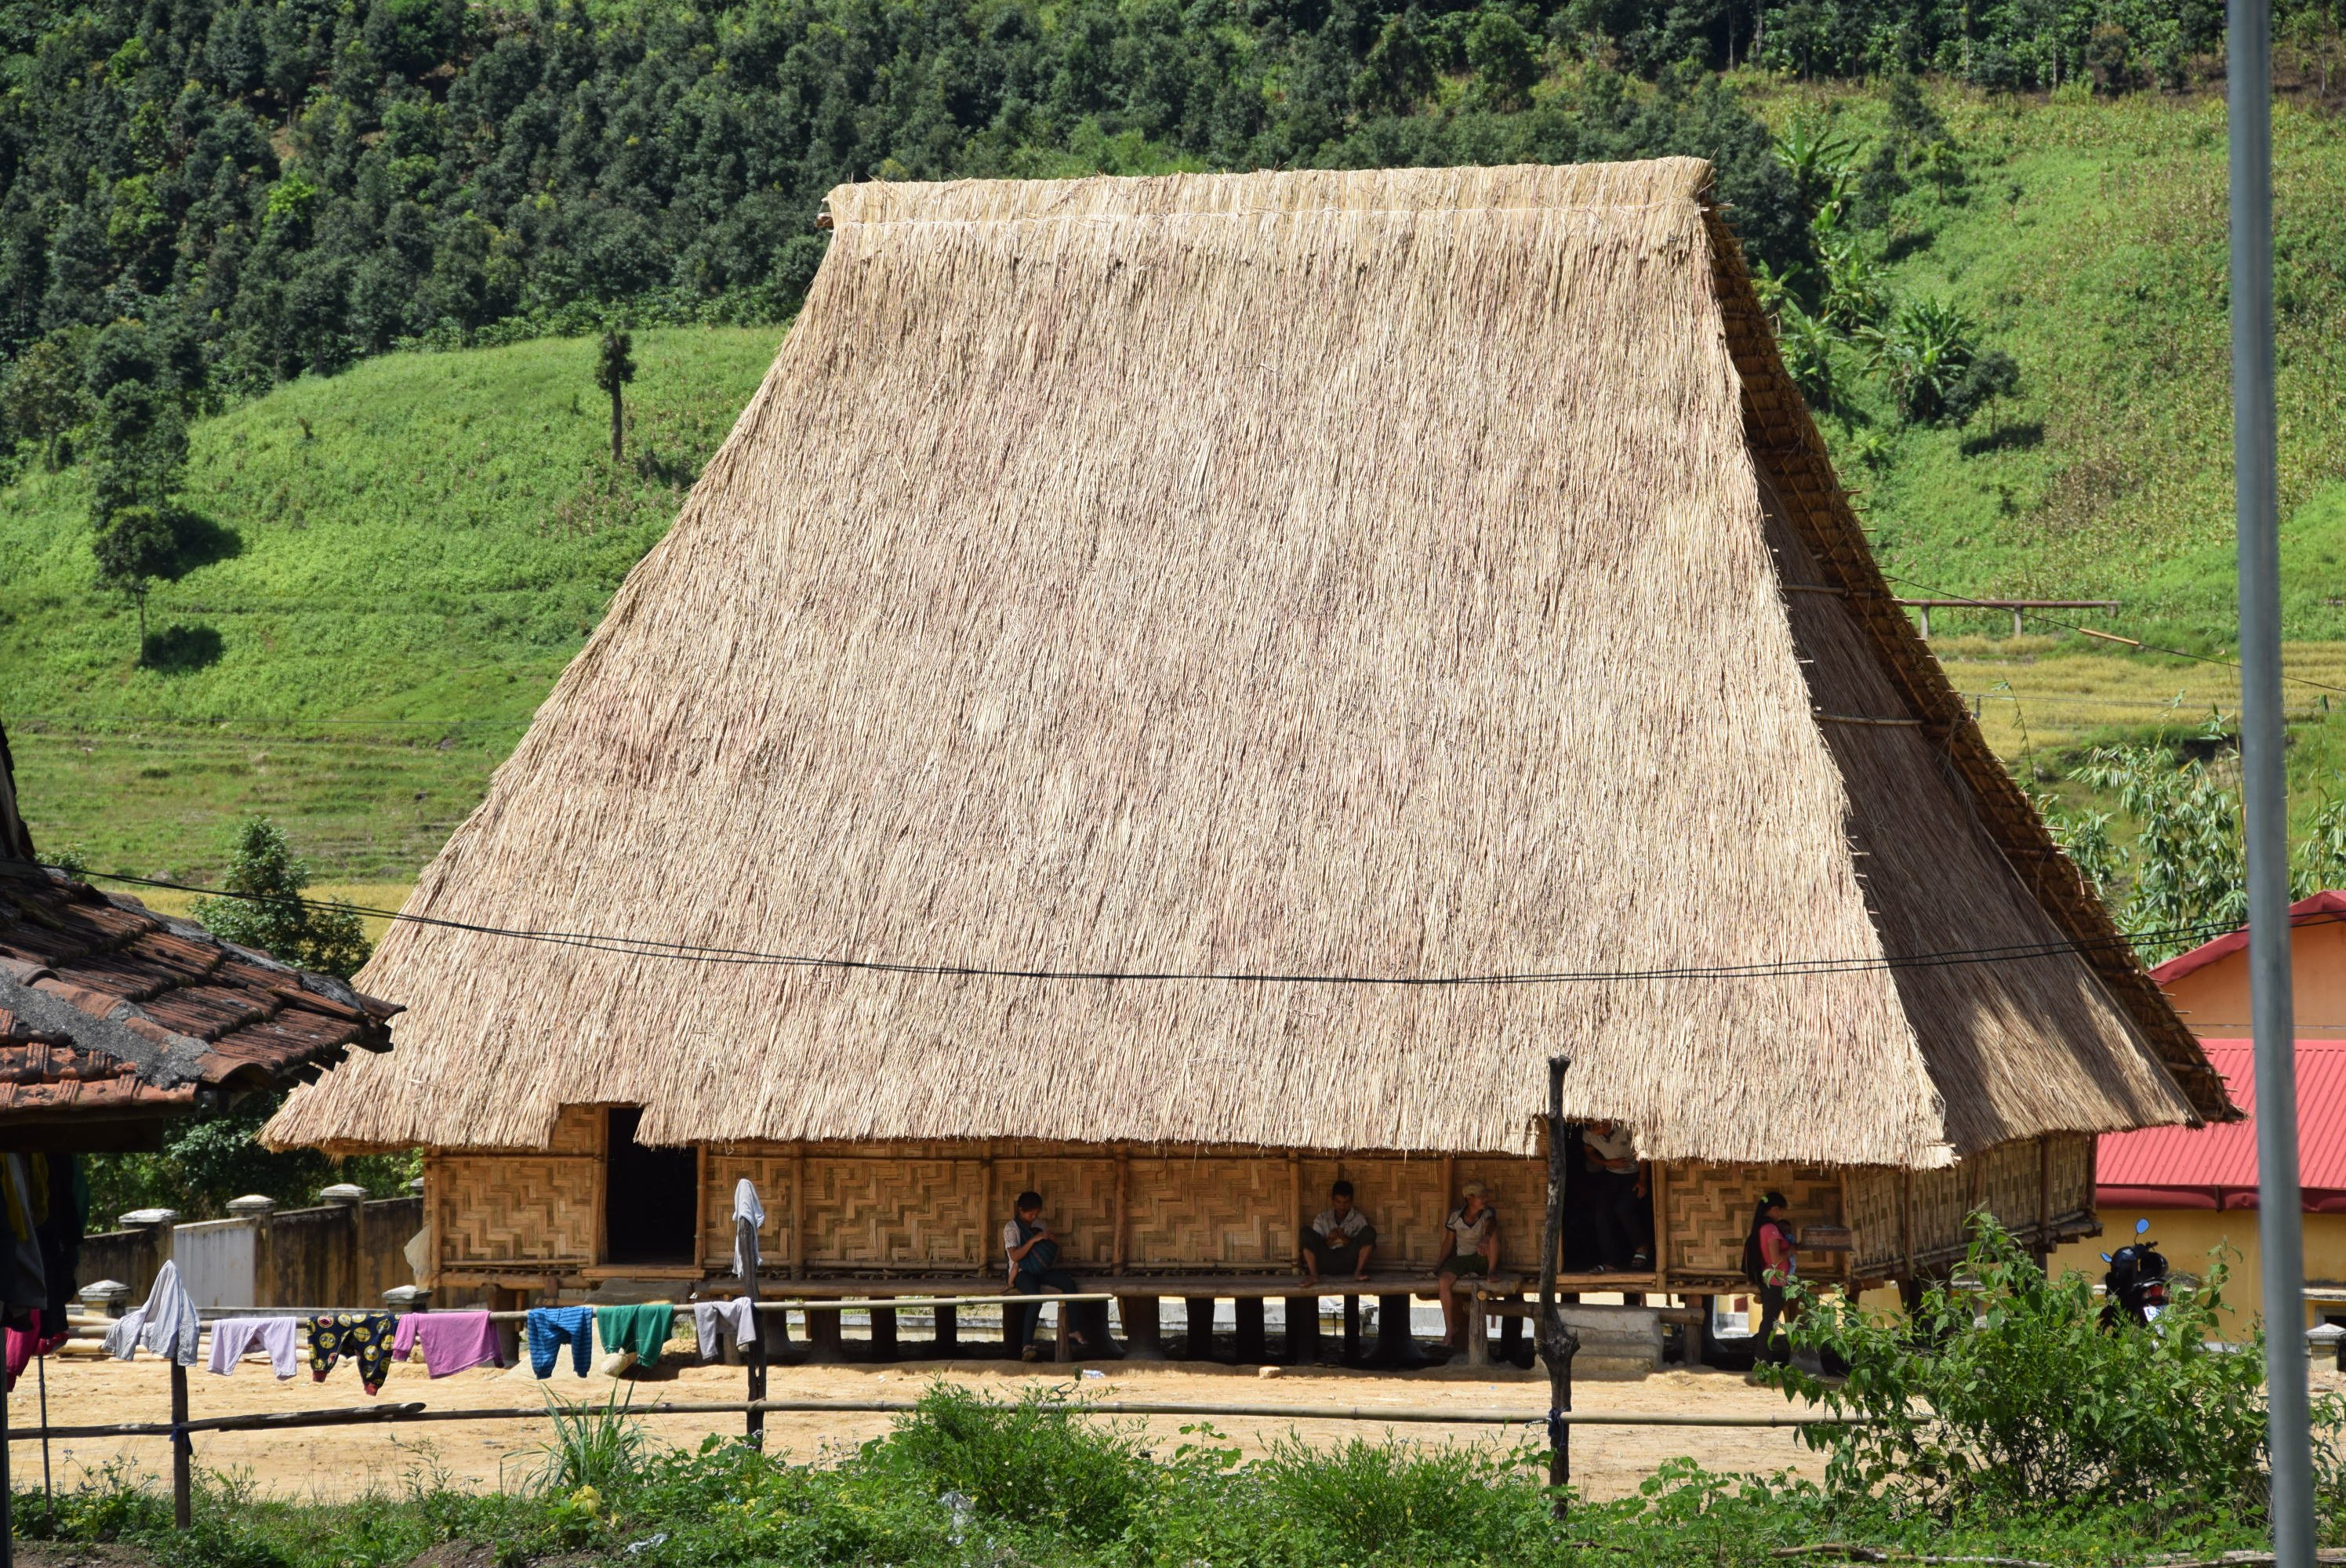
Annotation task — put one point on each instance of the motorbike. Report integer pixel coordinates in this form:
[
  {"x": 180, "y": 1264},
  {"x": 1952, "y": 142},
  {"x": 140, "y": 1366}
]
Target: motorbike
[{"x": 2134, "y": 1286}]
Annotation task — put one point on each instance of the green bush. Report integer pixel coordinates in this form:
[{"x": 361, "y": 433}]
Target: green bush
[{"x": 2008, "y": 1390}]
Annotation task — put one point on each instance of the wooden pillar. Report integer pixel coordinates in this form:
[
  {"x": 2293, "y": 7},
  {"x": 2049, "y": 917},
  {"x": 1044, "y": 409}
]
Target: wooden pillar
[
  {"x": 1143, "y": 1327},
  {"x": 1199, "y": 1346},
  {"x": 1511, "y": 1335},
  {"x": 1478, "y": 1328},
  {"x": 1295, "y": 1206},
  {"x": 1014, "y": 1319},
  {"x": 948, "y": 1332},
  {"x": 799, "y": 1225},
  {"x": 883, "y": 1333},
  {"x": 1658, "y": 1184},
  {"x": 1697, "y": 1332},
  {"x": 1352, "y": 1329},
  {"x": 1249, "y": 1341},
  {"x": 1906, "y": 1220},
  {"x": 2044, "y": 1201},
  {"x": 1062, "y": 1344},
  {"x": 1302, "y": 1329},
  {"x": 826, "y": 1346},
  {"x": 1395, "y": 1345},
  {"x": 1118, "y": 1255}
]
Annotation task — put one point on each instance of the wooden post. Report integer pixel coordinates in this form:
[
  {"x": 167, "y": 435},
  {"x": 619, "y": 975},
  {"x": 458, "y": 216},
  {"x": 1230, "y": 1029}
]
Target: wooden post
[
  {"x": 1303, "y": 1329},
  {"x": 948, "y": 1332},
  {"x": 1144, "y": 1334},
  {"x": 2043, "y": 1249},
  {"x": 1117, "y": 1257},
  {"x": 1926, "y": 623},
  {"x": 883, "y": 1333},
  {"x": 753, "y": 1351},
  {"x": 1351, "y": 1330},
  {"x": 1658, "y": 1184},
  {"x": 797, "y": 1220},
  {"x": 1248, "y": 1338},
  {"x": 1557, "y": 1343},
  {"x": 1906, "y": 1220},
  {"x": 1478, "y": 1327},
  {"x": 1295, "y": 1199},
  {"x": 183, "y": 1494},
  {"x": 1199, "y": 1345}
]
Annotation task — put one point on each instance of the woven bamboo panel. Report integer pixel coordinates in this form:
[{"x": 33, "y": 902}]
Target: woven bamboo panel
[
  {"x": 1871, "y": 1195},
  {"x": 2073, "y": 1178},
  {"x": 770, "y": 1175},
  {"x": 1710, "y": 1209},
  {"x": 1205, "y": 1212},
  {"x": 926, "y": 1213},
  {"x": 2010, "y": 1175},
  {"x": 577, "y": 1130},
  {"x": 516, "y": 1208}
]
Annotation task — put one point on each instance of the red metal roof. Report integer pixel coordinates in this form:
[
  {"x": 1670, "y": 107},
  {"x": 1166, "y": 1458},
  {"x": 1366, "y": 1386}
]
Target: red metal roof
[
  {"x": 2319, "y": 909},
  {"x": 2208, "y": 1161}
]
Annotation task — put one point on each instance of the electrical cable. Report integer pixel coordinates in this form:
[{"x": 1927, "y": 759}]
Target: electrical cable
[{"x": 645, "y": 947}]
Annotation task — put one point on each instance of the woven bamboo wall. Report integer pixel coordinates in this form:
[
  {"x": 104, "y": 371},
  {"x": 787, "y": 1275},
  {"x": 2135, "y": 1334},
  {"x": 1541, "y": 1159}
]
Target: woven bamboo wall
[
  {"x": 1710, "y": 1212},
  {"x": 534, "y": 1209},
  {"x": 2004, "y": 1180},
  {"x": 938, "y": 1209}
]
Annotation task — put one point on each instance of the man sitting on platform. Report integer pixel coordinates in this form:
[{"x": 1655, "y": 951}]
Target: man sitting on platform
[
  {"x": 1342, "y": 1237},
  {"x": 1470, "y": 1247},
  {"x": 1033, "y": 1256}
]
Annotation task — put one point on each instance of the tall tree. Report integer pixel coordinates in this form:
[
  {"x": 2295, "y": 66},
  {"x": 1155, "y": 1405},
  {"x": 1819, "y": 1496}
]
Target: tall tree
[
  {"x": 615, "y": 367},
  {"x": 135, "y": 547}
]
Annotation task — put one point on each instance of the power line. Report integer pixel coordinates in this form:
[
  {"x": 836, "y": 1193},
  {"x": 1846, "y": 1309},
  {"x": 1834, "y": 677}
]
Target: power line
[
  {"x": 645, "y": 947},
  {"x": 2072, "y": 626}
]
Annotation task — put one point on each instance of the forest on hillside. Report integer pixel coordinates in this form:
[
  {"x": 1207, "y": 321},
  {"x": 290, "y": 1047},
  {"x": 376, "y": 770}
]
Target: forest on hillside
[{"x": 269, "y": 187}]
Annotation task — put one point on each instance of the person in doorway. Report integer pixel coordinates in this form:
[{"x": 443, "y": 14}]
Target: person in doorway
[
  {"x": 1340, "y": 1240},
  {"x": 1470, "y": 1249},
  {"x": 1625, "y": 1220},
  {"x": 1034, "y": 1266},
  {"x": 1771, "y": 1264}
]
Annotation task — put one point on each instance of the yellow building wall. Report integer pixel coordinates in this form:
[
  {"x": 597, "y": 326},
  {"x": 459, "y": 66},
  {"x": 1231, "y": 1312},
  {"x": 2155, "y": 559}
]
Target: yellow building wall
[
  {"x": 2214, "y": 998},
  {"x": 2190, "y": 1239}
]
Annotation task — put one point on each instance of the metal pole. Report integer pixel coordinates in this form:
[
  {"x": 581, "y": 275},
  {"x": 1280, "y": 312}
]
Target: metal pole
[{"x": 2264, "y": 783}]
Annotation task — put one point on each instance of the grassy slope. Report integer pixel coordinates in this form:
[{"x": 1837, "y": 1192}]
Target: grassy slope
[
  {"x": 2090, "y": 243},
  {"x": 411, "y": 579},
  {"x": 408, "y": 580}
]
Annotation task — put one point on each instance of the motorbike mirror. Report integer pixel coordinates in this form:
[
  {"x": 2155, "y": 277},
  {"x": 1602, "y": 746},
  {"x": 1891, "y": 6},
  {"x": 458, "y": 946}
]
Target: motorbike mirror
[
  {"x": 2141, "y": 1226},
  {"x": 2105, "y": 1258}
]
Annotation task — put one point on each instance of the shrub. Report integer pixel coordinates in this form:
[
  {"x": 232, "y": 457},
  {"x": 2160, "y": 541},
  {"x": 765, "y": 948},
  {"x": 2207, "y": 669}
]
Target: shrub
[
  {"x": 1037, "y": 1463},
  {"x": 2009, "y": 1390}
]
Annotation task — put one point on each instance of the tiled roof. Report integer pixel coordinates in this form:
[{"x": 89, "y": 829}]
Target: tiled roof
[{"x": 88, "y": 978}]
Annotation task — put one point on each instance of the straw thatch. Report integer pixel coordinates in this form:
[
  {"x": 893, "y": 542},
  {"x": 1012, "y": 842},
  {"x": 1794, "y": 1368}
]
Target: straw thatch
[{"x": 1327, "y": 572}]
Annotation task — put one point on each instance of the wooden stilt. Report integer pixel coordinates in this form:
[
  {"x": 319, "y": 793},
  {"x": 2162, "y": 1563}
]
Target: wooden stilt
[
  {"x": 1302, "y": 1329},
  {"x": 753, "y": 1353},
  {"x": 1351, "y": 1330},
  {"x": 883, "y": 1333},
  {"x": 1143, "y": 1327},
  {"x": 1199, "y": 1344},
  {"x": 1249, "y": 1341},
  {"x": 948, "y": 1333}
]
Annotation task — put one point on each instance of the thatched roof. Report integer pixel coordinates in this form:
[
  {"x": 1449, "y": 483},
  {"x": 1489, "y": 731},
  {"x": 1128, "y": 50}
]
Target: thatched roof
[{"x": 1357, "y": 574}]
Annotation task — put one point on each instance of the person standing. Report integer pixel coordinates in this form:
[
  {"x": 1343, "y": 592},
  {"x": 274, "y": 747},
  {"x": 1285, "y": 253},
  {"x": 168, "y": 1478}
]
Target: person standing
[
  {"x": 1625, "y": 1220},
  {"x": 1769, "y": 1263}
]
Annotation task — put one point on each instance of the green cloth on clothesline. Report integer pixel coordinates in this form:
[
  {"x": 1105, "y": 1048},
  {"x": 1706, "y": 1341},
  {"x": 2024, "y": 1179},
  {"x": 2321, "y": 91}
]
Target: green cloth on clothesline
[{"x": 643, "y": 1329}]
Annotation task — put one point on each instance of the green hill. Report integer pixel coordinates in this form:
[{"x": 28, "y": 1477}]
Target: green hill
[
  {"x": 410, "y": 550},
  {"x": 408, "y": 555}
]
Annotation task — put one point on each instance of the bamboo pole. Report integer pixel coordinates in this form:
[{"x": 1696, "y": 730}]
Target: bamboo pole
[
  {"x": 753, "y": 1353},
  {"x": 182, "y": 1451}
]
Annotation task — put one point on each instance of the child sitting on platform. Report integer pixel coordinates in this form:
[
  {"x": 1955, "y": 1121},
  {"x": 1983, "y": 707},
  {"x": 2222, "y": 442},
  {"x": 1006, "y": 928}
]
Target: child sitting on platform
[
  {"x": 1034, "y": 1259},
  {"x": 1341, "y": 1237}
]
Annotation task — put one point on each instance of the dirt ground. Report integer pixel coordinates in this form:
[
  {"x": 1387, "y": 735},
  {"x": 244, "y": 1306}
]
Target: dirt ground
[{"x": 342, "y": 1461}]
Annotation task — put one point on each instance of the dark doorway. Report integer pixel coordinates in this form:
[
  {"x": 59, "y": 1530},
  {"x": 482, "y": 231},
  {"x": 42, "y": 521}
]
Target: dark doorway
[{"x": 651, "y": 1198}]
